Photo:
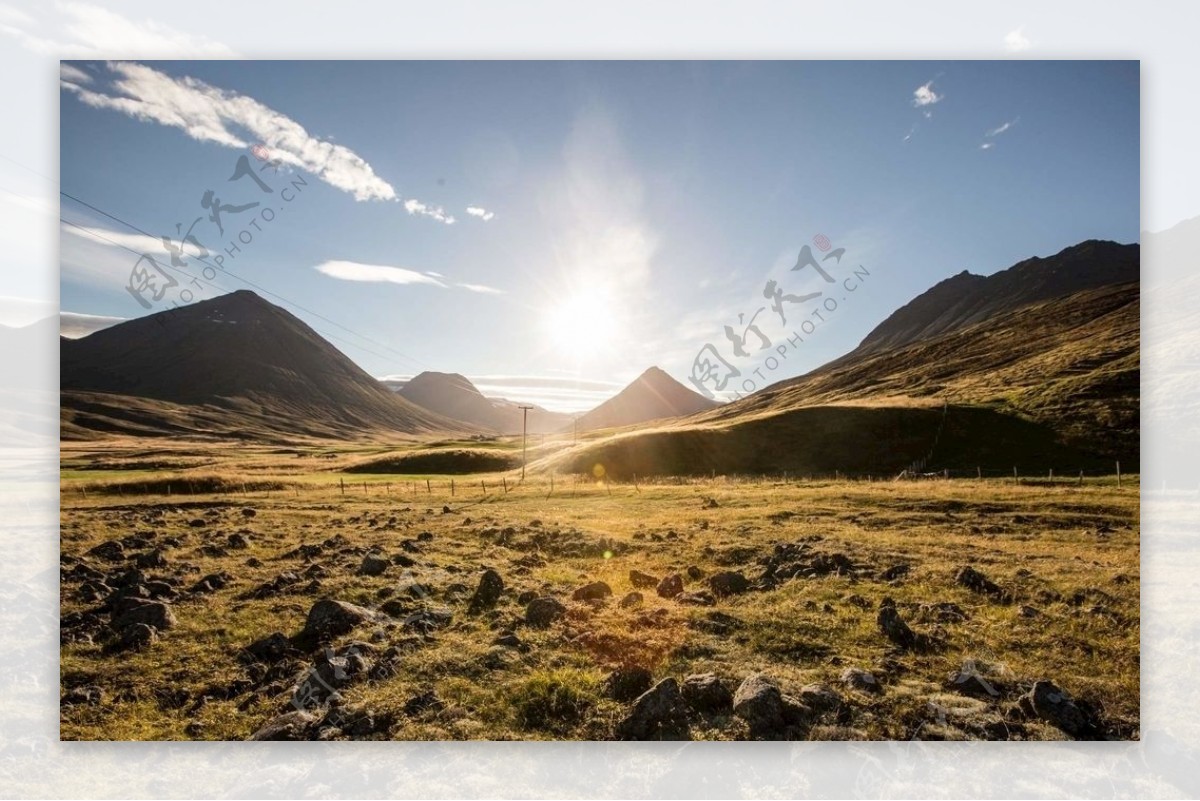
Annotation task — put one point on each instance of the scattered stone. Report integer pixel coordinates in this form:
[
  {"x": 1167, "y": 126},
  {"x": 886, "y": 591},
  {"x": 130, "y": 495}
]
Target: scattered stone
[
  {"x": 136, "y": 636},
  {"x": 487, "y": 594},
  {"x": 969, "y": 681},
  {"x": 717, "y": 623},
  {"x": 110, "y": 551},
  {"x": 861, "y": 680},
  {"x": 373, "y": 564},
  {"x": 238, "y": 541},
  {"x": 291, "y": 726},
  {"x": 198, "y": 522},
  {"x": 507, "y": 639},
  {"x": 631, "y": 600},
  {"x": 701, "y": 598},
  {"x": 541, "y": 612},
  {"x": 596, "y": 591},
  {"x": 944, "y": 612},
  {"x": 707, "y": 694},
  {"x": 330, "y": 672},
  {"x": 212, "y": 582},
  {"x": 328, "y": 619},
  {"x": 670, "y": 586},
  {"x": 194, "y": 729},
  {"x": 710, "y": 503},
  {"x": 1029, "y": 612},
  {"x": 695, "y": 573},
  {"x": 155, "y": 614},
  {"x": 150, "y": 559},
  {"x": 728, "y": 583},
  {"x": 1057, "y": 708},
  {"x": 820, "y": 698},
  {"x": 627, "y": 683},
  {"x": 83, "y": 696},
  {"x": 269, "y": 649},
  {"x": 893, "y": 626},
  {"x": 525, "y": 597},
  {"x": 975, "y": 581},
  {"x": 642, "y": 581},
  {"x": 249, "y": 512},
  {"x": 894, "y": 572},
  {"x": 766, "y": 710},
  {"x": 660, "y": 713}
]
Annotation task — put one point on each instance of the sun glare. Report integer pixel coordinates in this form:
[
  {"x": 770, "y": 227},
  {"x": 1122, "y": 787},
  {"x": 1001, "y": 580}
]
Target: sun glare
[{"x": 581, "y": 325}]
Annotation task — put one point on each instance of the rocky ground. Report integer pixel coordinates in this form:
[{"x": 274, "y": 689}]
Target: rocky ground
[{"x": 938, "y": 610}]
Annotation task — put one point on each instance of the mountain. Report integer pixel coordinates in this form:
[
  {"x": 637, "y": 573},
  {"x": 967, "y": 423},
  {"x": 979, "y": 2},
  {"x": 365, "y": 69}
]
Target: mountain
[
  {"x": 966, "y": 299},
  {"x": 651, "y": 396},
  {"x": 235, "y": 365},
  {"x": 972, "y": 373},
  {"x": 454, "y": 396}
]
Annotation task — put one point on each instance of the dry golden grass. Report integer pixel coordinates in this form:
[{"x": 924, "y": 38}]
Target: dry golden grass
[{"x": 1070, "y": 552}]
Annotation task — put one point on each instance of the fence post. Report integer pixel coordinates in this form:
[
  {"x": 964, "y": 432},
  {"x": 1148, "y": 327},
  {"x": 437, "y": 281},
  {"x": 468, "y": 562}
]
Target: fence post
[
  {"x": 504, "y": 480},
  {"x": 1015, "y": 474},
  {"x": 483, "y": 486},
  {"x": 1051, "y": 473},
  {"x": 1081, "y": 478},
  {"x": 342, "y": 484},
  {"x": 978, "y": 472},
  {"x": 428, "y": 487},
  {"x": 1118, "y": 474},
  {"x": 451, "y": 488}
]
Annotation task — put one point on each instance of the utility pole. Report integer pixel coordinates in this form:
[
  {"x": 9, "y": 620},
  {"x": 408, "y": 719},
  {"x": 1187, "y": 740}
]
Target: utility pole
[{"x": 524, "y": 429}]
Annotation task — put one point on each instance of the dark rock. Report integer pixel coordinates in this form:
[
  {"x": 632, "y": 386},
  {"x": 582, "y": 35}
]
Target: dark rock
[
  {"x": 627, "y": 683},
  {"x": 150, "y": 559},
  {"x": 861, "y": 680},
  {"x": 893, "y": 626},
  {"x": 670, "y": 586},
  {"x": 596, "y": 591},
  {"x": 701, "y": 598},
  {"x": 707, "y": 694},
  {"x": 328, "y": 619},
  {"x": 717, "y": 623},
  {"x": 642, "y": 581},
  {"x": 427, "y": 620},
  {"x": 658, "y": 714},
  {"x": 969, "y": 681},
  {"x": 211, "y": 582},
  {"x": 150, "y": 613},
  {"x": 975, "y": 581},
  {"x": 695, "y": 573},
  {"x": 249, "y": 512},
  {"x": 373, "y": 564},
  {"x": 402, "y": 560},
  {"x": 525, "y": 597},
  {"x": 83, "y": 696},
  {"x": 820, "y": 698},
  {"x": 1057, "y": 708},
  {"x": 269, "y": 649},
  {"x": 894, "y": 572},
  {"x": 508, "y": 640},
  {"x": 487, "y": 594},
  {"x": 761, "y": 703},
  {"x": 137, "y": 635},
  {"x": 238, "y": 541},
  {"x": 541, "y": 612},
  {"x": 296, "y": 725},
  {"x": 728, "y": 583},
  {"x": 330, "y": 672},
  {"x": 110, "y": 551},
  {"x": 631, "y": 600}
]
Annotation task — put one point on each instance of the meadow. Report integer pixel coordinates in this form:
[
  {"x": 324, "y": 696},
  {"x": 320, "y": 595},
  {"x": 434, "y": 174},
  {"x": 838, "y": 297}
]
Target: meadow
[{"x": 223, "y": 592}]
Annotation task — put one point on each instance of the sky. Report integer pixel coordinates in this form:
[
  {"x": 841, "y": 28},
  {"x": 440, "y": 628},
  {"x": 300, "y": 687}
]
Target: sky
[{"x": 552, "y": 229}]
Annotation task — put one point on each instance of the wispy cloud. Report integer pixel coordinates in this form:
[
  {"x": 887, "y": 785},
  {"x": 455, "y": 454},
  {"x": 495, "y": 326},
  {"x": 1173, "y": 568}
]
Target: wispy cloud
[
  {"x": 74, "y": 325},
  {"x": 88, "y": 31},
  {"x": 911, "y": 132},
  {"x": 375, "y": 273},
  {"x": 1002, "y": 128},
  {"x": 425, "y": 210},
  {"x": 480, "y": 212},
  {"x": 386, "y": 274},
  {"x": 1016, "y": 41},
  {"x": 210, "y": 114},
  {"x": 987, "y": 145},
  {"x": 73, "y": 75},
  {"x": 485, "y": 290},
  {"x": 926, "y": 95}
]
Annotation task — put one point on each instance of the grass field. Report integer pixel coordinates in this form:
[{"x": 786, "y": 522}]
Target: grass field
[{"x": 278, "y": 530}]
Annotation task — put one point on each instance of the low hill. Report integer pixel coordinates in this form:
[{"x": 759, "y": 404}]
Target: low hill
[
  {"x": 234, "y": 365},
  {"x": 653, "y": 395},
  {"x": 453, "y": 395}
]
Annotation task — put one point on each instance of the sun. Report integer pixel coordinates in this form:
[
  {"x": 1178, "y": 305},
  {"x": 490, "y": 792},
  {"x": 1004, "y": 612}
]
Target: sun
[{"x": 581, "y": 325}]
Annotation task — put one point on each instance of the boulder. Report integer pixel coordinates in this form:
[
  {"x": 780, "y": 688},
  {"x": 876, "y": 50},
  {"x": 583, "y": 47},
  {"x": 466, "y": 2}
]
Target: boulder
[
  {"x": 627, "y": 683},
  {"x": 642, "y": 581},
  {"x": 631, "y": 600},
  {"x": 541, "y": 612},
  {"x": 670, "y": 586},
  {"x": 269, "y": 649},
  {"x": 373, "y": 564},
  {"x": 151, "y": 613},
  {"x": 1057, "y": 708},
  {"x": 328, "y": 619},
  {"x": 893, "y": 626},
  {"x": 975, "y": 581},
  {"x": 707, "y": 694},
  {"x": 728, "y": 583},
  {"x": 660, "y": 713},
  {"x": 487, "y": 594},
  {"x": 296, "y": 725},
  {"x": 596, "y": 591},
  {"x": 759, "y": 702},
  {"x": 861, "y": 680}
]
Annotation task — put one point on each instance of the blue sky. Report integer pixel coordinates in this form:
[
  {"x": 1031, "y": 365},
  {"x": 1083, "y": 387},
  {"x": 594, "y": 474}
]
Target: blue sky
[{"x": 624, "y": 212}]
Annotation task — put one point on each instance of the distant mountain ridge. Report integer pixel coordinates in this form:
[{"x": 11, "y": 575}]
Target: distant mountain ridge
[
  {"x": 235, "y": 363},
  {"x": 966, "y": 299},
  {"x": 453, "y": 395},
  {"x": 653, "y": 395}
]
